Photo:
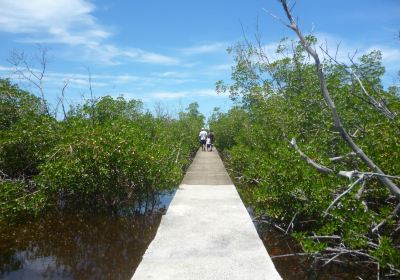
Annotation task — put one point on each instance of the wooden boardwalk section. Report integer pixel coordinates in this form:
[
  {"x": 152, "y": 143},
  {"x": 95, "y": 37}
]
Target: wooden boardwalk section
[{"x": 207, "y": 232}]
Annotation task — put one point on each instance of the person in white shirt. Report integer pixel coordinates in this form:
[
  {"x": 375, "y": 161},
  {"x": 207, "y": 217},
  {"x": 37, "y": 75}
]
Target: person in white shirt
[
  {"x": 203, "y": 138},
  {"x": 208, "y": 142}
]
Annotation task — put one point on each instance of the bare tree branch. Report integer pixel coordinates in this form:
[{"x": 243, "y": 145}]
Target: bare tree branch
[
  {"x": 92, "y": 98},
  {"x": 340, "y": 158},
  {"x": 66, "y": 83},
  {"x": 291, "y": 255},
  {"x": 329, "y": 101},
  {"x": 394, "y": 213},
  {"x": 343, "y": 194},
  {"x": 34, "y": 76},
  {"x": 319, "y": 167},
  {"x": 291, "y": 223},
  {"x": 342, "y": 173}
]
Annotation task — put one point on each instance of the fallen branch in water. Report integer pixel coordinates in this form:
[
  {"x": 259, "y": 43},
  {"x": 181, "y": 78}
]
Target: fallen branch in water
[
  {"x": 394, "y": 213},
  {"x": 351, "y": 186},
  {"x": 262, "y": 221},
  {"x": 340, "y": 158},
  {"x": 332, "y": 259},
  {"x": 325, "y": 237},
  {"x": 291, "y": 255},
  {"x": 291, "y": 223}
]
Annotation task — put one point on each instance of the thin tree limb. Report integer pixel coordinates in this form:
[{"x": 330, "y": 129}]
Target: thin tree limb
[
  {"x": 379, "y": 106},
  {"x": 319, "y": 167},
  {"x": 394, "y": 189},
  {"x": 291, "y": 223},
  {"x": 291, "y": 255},
  {"x": 394, "y": 213},
  {"x": 340, "y": 158},
  {"x": 343, "y": 194},
  {"x": 66, "y": 83}
]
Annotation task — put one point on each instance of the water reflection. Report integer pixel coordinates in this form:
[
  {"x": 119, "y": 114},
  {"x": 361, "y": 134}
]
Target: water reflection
[{"x": 71, "y": 246}]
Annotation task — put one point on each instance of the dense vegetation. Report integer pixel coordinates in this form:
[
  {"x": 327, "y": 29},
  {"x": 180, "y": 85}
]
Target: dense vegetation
[
  {"x": 106, "y": 154},
  {"x": 282, "y": 128}
]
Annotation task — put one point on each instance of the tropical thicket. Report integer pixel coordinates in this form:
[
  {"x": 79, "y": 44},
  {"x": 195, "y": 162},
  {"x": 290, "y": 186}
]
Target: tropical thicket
[
  {"x": 106, "y": 154},
  {"x": 315, "y": 146}
]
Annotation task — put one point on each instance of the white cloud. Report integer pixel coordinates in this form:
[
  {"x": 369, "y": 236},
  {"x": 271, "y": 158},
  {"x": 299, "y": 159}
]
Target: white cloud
[
  {"x": 211, "y": 93},
  {"x": 205, "y": 48},
  {"x": 110, "y": 54},
  {"x": 172, "y": 74},
  {"x": 61, "y": 21},
  {"x": 168, "y": 95},
  {"x": 70, "y": 22},
  {"x": 5, "y": 68},
  {"x": 390, "y": 54},
  {"x": 79, "y": 83},
  {"x": 125, "y": 78},
  {"x": 149, "y": 57},
  {"x": 81, "y": 80},
  {"x": 220, "y": 68}
]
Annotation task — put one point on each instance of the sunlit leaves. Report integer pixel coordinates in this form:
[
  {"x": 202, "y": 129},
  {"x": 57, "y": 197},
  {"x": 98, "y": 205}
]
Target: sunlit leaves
[
  {"x": 281, "y": 100},
  {"x": 106, "y": 153}
]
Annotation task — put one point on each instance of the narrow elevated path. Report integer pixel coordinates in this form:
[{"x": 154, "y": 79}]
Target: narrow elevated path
[{"x": 207, "y": 232}]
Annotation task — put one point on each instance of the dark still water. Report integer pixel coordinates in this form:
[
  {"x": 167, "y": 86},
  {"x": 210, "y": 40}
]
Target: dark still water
[
  {"x": 111, "y": 246},
  {"x": 67, "y": 246},
  {"x": 301, "y": 267}
]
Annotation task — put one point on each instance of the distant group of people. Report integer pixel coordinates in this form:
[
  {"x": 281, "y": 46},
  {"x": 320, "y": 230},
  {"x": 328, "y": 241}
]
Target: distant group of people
[{"x": 206, "y": 139}]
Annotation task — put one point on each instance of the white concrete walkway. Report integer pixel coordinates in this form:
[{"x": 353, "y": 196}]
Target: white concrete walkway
[{"x": 207, "y": 232}]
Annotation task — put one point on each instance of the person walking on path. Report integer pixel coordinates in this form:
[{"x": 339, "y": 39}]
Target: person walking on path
[
  {"x": 211, "y": 136},
  {"x": 203, "y": 138},
  {"x": 208, "y": 142}
]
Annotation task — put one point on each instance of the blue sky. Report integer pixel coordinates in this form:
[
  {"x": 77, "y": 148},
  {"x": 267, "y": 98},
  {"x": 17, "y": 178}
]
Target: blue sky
[{"x": 171, "y": 53}]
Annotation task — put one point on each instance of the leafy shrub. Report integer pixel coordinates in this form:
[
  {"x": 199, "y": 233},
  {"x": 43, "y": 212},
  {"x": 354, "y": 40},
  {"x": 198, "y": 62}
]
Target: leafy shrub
[
  {"x": 105, "y": 154},
  {"x": 281, "y": 100},
  {"x": 26, "y": 134},
  {"x": 19, "y": 201}
]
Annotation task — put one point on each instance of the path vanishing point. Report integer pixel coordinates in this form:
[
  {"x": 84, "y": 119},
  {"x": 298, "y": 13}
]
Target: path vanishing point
[{"x": 207, "y": 232}]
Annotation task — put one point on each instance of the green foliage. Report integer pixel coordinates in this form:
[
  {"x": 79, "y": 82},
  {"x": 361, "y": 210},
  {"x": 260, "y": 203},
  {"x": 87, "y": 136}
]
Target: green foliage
[
  {"x": 19, "y": 201},
  {"x": 103, "y": 164},
  {"x": 26, "y": 132},
  {"x": 106, "y": 154},
  {"x": 108, "y": 108},
  {"x": 16, "y": 104},
  {"x": 25, "y": 144},
  {"x": 386, "y": 253},
  {"x": 227, "y": 125},
  {"x": 309, "y": 246},
  {"x": 281, "y": 100}
]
